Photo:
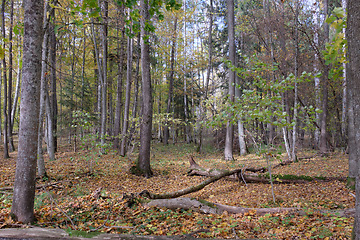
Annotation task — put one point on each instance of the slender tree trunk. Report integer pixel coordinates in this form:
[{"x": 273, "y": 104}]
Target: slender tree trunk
[
  {"x": 136, "y": 92},
  {"x": 228, "y": 152},
  {"x": 187, "y": 126},
  {"x": 171, "y": 82},
  {"x": 143, "y": 164},
  {"x": 324, "y": 84},
  {"x": 53, "y": 89},
  {"x": 6, "y": 145},
  {"x": 104, "y": 7},
  {"x": 127, "y": 97},
  {"x": 17, "y": 91},
  {"x": 344, "y": 99},
  {"x": 24, "y": 185},
  {"x": 120, "y": 46},
  {"x": 294, "y": 133},
  {"x": 10, "y": 128},
  {"x": 40, "y": 158}
]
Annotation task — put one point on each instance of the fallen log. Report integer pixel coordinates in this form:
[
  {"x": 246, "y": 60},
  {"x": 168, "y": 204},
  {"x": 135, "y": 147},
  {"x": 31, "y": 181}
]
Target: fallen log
[
  {"x": 197, "y": 170},
  {"x": 206, "y": 207},
  {"x": 191, "y": 189}
]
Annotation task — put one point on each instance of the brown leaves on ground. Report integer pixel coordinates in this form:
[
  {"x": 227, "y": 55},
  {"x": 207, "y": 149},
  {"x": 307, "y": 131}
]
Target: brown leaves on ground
[{"x": 69, "y": 203}]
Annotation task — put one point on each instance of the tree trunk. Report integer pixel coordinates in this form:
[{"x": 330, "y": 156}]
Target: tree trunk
[
  {"x": 353, "y": 74},
  {"x": 120, "y": 46},
  {"x": 344, "y": 99},
  {"x": 10, "y": 128},
  {"x": 24, "y": 185},
  {"x": 228, "y": 152},
  {"x": 295, "y": 116},
  {"x": 52, "y": 91},
  {"x": 104, "y": 32},
  {"x": 17, "y": 91},
  {"x": 143, "y": 163},
  {"x": 324, "y": 84},
  {"x": 6, "y": 145},
  {"x": 170, "y": 100},
  {"x": 124, "y": 136}
]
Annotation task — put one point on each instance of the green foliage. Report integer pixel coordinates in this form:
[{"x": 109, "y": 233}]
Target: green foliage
[{"x": 335, "y": 52}]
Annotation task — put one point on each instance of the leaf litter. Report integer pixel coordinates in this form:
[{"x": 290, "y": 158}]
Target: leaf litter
[{"x": 69, "y": 204}]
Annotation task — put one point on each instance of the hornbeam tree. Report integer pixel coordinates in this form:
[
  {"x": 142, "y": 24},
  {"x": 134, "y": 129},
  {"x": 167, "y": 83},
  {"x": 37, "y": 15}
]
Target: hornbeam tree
[{"x": 24, "y": 186}]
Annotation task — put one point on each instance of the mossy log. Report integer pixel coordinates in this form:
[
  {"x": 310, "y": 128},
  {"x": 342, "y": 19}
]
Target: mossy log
[{"x": 196, "y": 170}]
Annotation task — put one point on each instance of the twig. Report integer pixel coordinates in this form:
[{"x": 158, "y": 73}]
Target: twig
[
  {"x": 196, "y": 232},
  {"x": 37, "y": 187},
  {"x": 53, "y": 201},
  {"x": 242, "y": 176},
  {"x": 234, "y": 232}
]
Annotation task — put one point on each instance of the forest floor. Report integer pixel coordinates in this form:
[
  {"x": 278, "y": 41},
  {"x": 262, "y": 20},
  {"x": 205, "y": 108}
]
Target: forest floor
[{"x": 69, "y": 204}]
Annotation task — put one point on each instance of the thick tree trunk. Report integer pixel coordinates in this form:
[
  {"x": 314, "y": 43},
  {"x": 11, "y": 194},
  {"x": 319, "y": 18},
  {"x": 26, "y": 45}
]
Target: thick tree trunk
[
  {"x": 143, "y": 163},
  {"x": 24, "y": 185},
  {"x": 353, "y": 74}
]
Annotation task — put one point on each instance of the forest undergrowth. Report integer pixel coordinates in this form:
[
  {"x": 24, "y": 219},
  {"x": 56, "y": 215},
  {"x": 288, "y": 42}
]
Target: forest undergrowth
[{"x": 84, "y": 194}]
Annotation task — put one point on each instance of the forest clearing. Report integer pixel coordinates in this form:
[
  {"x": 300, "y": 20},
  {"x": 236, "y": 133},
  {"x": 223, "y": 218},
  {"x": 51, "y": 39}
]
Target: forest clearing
[{"x": 67, "y": 199}]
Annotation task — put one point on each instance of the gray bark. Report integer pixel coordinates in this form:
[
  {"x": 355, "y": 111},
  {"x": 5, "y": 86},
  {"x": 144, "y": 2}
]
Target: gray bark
[
  {"x": 228, "y": 152},
  {"x": 124, "y": 136},
  {"x": 171, "y": 83},
  {"x": 17, "y": 91},
  {"x": 9, "y": 96},
  {"x": 5, "y": 129},
  {"x": 118, "y": 109},
  {"x": 104, "y": 8},
  {"x": 24, "y": 185},
  {"x": 324, "y": 84},
  {"x": 143, "y": 164},
  {"x": 353, "y": 74}
]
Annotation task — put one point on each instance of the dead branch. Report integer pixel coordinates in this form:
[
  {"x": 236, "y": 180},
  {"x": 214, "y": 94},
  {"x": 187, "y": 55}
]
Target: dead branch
[
  {"x": 37, "y": 187},
  {"x": 191, "y": 189}
]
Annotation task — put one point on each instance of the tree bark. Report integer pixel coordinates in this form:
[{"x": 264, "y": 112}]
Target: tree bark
[
  {"x": 143, "y": 163},
  {"x": 24, "y": 185},
  {"x": 353, "y": 74},
  {"x": 324, "y": 84},
  {"x": 118, "y": 110},
  {"x": 125, "y": 127},
  {"x": 171, "y": 82},
  {"x": 6, "y": 140},
  {"x": 104, "y": 43},
  {"x": 10, "y": 128},
  {"x": 228, "y": 152}
]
